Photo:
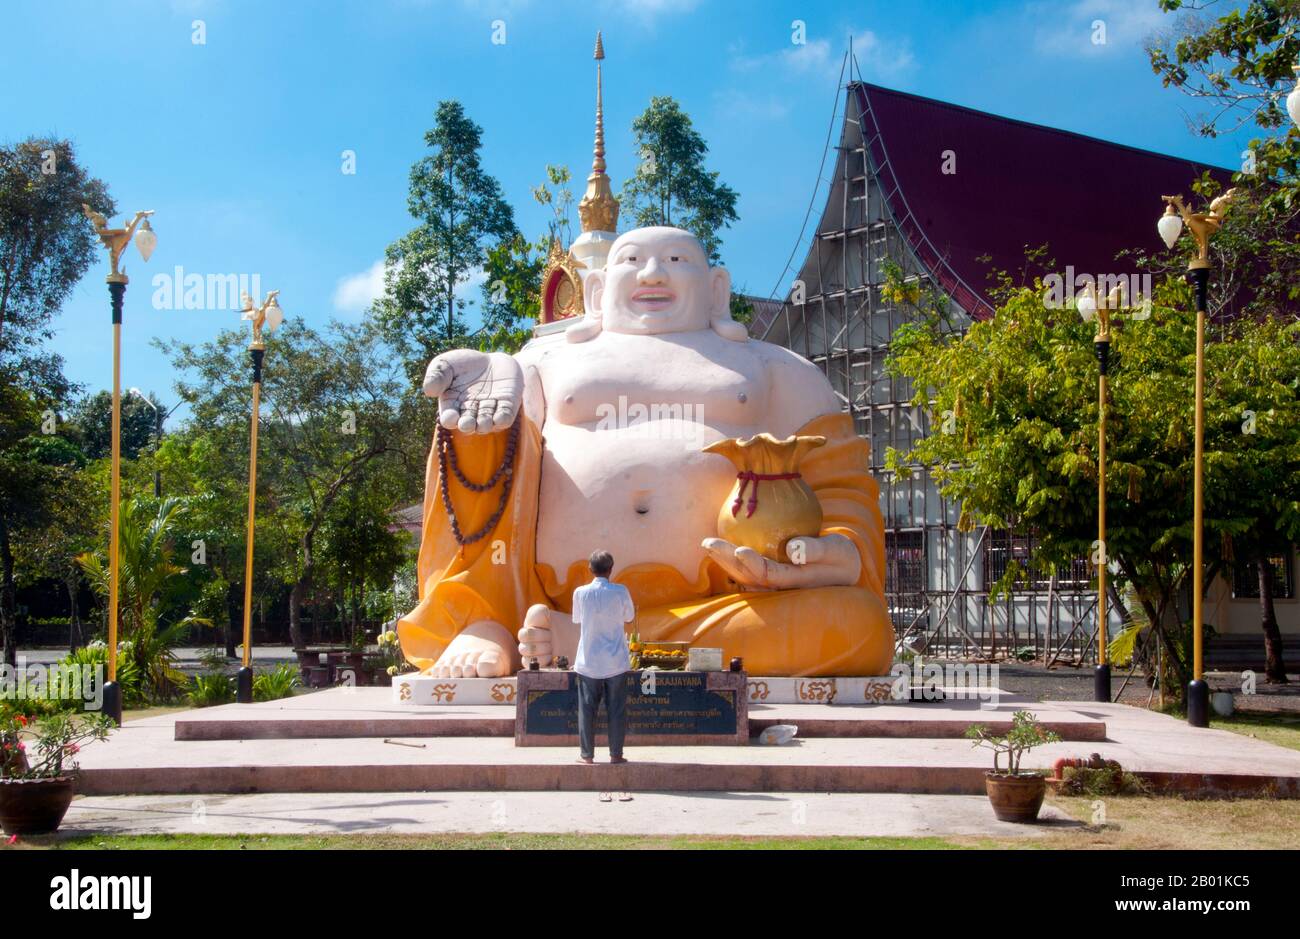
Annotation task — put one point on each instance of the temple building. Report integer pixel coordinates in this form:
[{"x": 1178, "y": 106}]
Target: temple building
[{"x": 951, "y": 195}]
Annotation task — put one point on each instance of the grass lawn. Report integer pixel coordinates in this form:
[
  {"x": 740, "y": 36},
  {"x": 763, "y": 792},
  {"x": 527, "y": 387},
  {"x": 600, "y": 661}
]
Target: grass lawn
[
  {"x": 1131, "y": 822},
  {"x": 1281, "y": 729}
]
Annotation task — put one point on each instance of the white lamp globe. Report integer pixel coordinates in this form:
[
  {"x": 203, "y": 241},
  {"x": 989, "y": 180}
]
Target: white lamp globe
[
  {"x": 274, "y": 317},
  {"x": 1170, "y": 227},
  {"x": 1293, "y": 100},
  {"x": 146, "y": 240},
  {"x": 1086, "y": 304}
]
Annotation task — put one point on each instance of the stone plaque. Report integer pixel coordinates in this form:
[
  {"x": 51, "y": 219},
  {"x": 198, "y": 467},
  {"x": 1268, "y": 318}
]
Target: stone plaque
[{"x": 663, "y": 708}]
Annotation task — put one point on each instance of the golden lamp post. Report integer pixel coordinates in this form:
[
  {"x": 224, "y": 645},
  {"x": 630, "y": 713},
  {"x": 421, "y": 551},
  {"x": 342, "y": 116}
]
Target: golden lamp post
[
  {"x": 1090, "y": 308},
  {"x": 266, "y": 317},
  {"x": 1202, "y": 226},
  {"x": 116, "y": 240}
]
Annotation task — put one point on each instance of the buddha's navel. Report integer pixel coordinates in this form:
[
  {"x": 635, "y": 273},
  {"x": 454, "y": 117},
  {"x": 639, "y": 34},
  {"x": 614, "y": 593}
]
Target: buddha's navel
[
  {"x": 641, "y": 501},
  {"x": 742, "y": 397}
]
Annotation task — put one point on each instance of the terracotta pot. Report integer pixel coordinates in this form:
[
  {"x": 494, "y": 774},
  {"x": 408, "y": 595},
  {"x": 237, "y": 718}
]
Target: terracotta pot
[
  {"x": 34, "y": 806},
  {"x": 1015, "y": 798},
  {"x": 770, "y": 503}
]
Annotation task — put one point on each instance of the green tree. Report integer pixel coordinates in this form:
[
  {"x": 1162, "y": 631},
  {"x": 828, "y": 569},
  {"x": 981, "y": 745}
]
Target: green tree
[
  {"x": 1018, "y": 436},
  {"x": 1253, "y": 441},
  {"x": 511, "y": 294},
  {"x": 93, "y": 417},
  {"x": 1235, "y": 65},
  {"x": 46, "y": 244},
  {"x": 556, "y": 193},
  {"x": 513, "y": 286},
  {"x": 37, "y": 472},
  {"x": 336, "y": 416},
  {"x": 1238, "y": 68},
  {"x": 461, "y": 214},
  {"x": 671, "y": 185},
  {"x": 360, "y": 550},
  {"x": 70, "y": 525},
  {"x": 209, "y": 462}
]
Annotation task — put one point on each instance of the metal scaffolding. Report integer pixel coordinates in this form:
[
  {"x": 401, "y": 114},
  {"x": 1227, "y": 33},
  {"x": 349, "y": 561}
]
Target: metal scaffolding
[{"x": 838, "y": 317}]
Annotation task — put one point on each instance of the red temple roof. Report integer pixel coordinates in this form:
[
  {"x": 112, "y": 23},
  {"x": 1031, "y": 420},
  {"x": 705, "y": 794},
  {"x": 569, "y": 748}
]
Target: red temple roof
[{"x": 1016, "y": 186}]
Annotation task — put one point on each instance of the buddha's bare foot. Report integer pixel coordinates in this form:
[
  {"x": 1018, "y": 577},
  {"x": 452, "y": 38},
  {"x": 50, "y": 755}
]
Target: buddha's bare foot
[
  {"x": 482, "y": 650},
  {"x": 547, "y": 634}
]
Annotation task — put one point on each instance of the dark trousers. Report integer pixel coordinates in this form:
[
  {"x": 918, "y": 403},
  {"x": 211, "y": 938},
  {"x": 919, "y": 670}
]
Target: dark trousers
[{"x": 590, "y": 692}]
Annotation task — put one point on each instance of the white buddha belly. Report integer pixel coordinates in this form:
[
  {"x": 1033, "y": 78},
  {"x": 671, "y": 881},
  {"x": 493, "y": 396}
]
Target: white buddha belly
[{"x": 622, "y": 468}]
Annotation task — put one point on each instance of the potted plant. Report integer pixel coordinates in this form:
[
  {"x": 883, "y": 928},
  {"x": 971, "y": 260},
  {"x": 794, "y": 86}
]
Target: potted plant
[
  {"x": 1015, "y": 796},
  {"x": 38, "y": 766}
]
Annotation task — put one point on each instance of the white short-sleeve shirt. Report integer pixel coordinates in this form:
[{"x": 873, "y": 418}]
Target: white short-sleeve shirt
[{"x": 600, "y": 609}]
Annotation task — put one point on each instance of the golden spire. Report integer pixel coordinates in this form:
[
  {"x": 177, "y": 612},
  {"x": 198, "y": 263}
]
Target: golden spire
[
  {"x": 598, "y": 163},
  {"x": 598, "y": 208}
]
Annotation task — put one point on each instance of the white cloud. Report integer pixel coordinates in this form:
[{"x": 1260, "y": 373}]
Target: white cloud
[
  {"x": 876, "y": 57},
  {"x": 355, "y": 292},
  {"x": 1092, "y": 27}
]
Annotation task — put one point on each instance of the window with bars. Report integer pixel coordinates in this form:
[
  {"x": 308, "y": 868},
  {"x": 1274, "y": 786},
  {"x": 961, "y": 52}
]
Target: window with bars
[
  {"x": 905, "y": 551},
  {"x": 905, "y": 577},
  {"x": 1003, "y": 547},
  {"x": 1245, "y": 579}
]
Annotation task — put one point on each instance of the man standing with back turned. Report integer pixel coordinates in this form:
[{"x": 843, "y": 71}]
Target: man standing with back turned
[{"x": 600, "y": 609}]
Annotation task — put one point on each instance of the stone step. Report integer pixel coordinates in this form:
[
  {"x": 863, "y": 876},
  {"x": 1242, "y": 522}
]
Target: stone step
[
  {"x": 144, "y": 757},
  {"x": 369, "y": 713}
]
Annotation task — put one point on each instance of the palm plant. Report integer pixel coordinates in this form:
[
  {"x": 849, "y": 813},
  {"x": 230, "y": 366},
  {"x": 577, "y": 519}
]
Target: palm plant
[
  {"x": 147, "y": 577},
  {"x": 275, "y": 684}
]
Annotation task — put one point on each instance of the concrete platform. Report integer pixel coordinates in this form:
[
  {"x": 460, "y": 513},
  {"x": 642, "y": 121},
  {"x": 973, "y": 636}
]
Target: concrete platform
[
  {"x": 145, "y": 756},
  {"x": 371, "y": 712},
  {"x": 735, "y": 814}
]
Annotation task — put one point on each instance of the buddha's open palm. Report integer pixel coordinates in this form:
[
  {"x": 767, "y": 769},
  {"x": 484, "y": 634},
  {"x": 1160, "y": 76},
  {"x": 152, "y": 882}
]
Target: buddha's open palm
[
  {"x": 477, "y": 392},
  {"x": 825, "y": 561}
]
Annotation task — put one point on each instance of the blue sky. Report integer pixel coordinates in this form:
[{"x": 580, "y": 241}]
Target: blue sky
[{"x": 237, "y": 142}]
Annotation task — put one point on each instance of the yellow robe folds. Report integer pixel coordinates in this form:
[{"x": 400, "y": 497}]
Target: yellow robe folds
[{"x": 818, "y": 631}]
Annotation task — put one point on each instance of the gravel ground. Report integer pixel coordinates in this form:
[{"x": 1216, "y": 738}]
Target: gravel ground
[{"x": 1064, "y": 683}]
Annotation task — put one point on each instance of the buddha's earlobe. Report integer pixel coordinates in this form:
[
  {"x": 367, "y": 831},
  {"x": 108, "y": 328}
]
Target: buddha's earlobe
[
  {"x": 720, "y": 317},
  {"x": 593, "y": 294}
]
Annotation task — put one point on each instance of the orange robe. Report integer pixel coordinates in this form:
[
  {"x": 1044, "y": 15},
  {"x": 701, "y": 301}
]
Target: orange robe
[{"x": 819, "y": 631}]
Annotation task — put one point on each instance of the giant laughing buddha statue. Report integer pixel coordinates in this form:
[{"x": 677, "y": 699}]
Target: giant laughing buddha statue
[
  {"x": 622, "y": 433},
  {"x": 720, "y": 471}
]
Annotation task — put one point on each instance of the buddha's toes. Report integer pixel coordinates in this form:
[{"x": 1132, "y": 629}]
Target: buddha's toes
[{"x": 482, "y": 650}]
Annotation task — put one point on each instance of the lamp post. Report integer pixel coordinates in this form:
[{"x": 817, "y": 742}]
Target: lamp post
[
  {"x": 159, "y": 416},
  {"x": 116, "y": 240},
  {"x": 1202, "y": 225},
  {"x": 1090, "y": 308},
  {"x": 266, "y": 317}
]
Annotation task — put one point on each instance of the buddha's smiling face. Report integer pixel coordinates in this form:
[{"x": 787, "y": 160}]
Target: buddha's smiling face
[{"x": 658, "y": 280}]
